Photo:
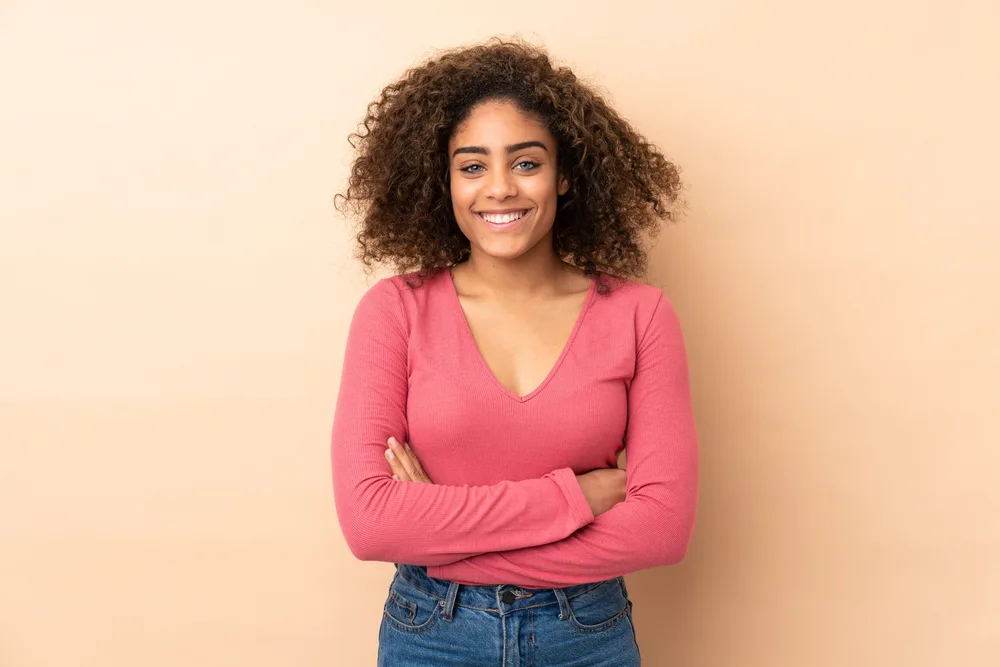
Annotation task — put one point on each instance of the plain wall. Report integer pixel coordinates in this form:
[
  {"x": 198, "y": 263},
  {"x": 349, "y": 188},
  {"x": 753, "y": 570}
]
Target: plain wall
[{"x": 175, "y": 290}]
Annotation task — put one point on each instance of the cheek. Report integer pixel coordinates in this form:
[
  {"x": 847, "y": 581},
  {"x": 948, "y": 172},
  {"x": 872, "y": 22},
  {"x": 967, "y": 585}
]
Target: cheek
[
  {"x": 462, "y": 190},
  {"x": 462, "y": 200},
  {"x": 543, "y": 192}
]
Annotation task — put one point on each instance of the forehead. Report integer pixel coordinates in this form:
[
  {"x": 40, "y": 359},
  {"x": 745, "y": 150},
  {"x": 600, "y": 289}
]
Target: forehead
[{"x": 499, "y": 123}]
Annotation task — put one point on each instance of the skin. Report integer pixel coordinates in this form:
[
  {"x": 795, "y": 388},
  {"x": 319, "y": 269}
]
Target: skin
[
  {"x": 520, "y": 299},
  {"x": 488, "y": 176}
]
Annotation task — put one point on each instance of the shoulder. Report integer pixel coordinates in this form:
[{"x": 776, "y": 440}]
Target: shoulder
[
  {"x": 398, "y": 297},
  {"x": 631, "y": 294},
  {"x": 648, "y": 307}
]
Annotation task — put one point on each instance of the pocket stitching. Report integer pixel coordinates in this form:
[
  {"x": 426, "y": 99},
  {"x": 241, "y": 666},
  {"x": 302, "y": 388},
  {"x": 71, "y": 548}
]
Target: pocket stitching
[
  {"x": 413, "y": 629},
  {"x": 603, "y": 626},
  {"x": 403, "y": 603},
  {"x": 575, "y": 623}
]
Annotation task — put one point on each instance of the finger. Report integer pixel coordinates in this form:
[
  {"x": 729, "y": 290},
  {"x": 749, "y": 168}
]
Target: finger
[
  {"x": 417, "y": 470},
  {"x": 416, "y": 464},
  {"x": 400, "y": 454},
  {"x": 395, "y": 467}
]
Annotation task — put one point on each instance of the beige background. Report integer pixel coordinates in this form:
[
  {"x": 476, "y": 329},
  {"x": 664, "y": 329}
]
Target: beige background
[{"x": 176, "y": 289}]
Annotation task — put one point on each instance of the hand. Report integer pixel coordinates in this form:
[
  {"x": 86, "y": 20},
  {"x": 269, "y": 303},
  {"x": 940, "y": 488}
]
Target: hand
[
  {"x": 604, "y": 488},
  {"x": 404, "y": 464}
]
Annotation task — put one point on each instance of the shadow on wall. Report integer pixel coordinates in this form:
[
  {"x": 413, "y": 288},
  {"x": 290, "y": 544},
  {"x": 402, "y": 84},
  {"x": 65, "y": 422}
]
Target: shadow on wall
[
  {"x": 770, "y": 534},
  {"x": 667, "y": 599},
  {"x": 680, "y": 610}
]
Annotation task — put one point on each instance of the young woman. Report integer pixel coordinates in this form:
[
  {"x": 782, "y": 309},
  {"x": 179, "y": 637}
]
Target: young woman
[{"x": 489, "y": 388}]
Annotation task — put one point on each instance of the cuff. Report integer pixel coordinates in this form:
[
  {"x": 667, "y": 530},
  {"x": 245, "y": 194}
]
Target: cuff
[{"x": 578, "y": 505}]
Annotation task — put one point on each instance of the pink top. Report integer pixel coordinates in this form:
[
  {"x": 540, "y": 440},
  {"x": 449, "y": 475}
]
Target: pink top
[{"x": 505, "y": 506}]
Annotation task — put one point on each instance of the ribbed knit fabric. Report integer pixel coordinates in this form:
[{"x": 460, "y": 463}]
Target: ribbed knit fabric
[{"x": 505, "y": 506}]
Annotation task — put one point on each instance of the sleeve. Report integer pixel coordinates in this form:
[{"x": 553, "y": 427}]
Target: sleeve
[
  {"x": 654, "y": 524},
  {"x": 423, "y": 524}
]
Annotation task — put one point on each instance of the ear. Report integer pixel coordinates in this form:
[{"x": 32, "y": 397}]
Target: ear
[{"x": 562, "y": 186}]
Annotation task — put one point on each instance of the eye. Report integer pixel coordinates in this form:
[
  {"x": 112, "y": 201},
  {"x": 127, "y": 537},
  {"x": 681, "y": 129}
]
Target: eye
[
  {"x": 531, "y": 165},
  {"x": 472, "y": 168}
]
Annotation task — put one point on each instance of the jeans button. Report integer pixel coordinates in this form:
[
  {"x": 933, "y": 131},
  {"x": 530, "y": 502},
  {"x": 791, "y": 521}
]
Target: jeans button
[{"x": 508, "y": 597}]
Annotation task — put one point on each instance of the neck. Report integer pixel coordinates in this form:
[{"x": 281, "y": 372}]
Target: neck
[{"x": 536, "y": 272}]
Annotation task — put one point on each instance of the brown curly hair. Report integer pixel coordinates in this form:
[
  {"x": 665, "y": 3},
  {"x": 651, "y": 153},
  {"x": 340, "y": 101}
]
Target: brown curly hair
[{"x": 621, "y": 186}]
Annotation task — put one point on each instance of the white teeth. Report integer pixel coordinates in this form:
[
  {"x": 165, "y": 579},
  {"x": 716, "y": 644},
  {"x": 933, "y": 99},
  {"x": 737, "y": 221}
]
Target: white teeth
[{"x": 502, "y": 218}]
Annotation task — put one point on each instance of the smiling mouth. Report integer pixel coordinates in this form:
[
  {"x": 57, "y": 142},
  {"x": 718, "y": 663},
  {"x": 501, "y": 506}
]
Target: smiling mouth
[{"x": 504, "y": 218}]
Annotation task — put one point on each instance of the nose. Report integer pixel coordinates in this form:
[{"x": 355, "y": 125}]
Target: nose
[{"x": 500, "y": 185}]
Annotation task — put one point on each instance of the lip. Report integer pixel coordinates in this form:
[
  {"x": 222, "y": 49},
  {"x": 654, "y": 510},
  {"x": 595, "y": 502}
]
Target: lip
[{"x": 507, "y": 226}]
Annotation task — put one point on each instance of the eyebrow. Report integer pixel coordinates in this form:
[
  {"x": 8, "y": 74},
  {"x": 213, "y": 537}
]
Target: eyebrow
[{"x": 480, "y": 150}]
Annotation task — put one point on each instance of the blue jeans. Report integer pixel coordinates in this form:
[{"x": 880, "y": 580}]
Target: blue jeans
[{"x": 433, "y": 622}]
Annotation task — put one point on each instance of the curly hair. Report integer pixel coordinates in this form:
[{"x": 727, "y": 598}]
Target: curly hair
[{"x": 621, "y": 186}]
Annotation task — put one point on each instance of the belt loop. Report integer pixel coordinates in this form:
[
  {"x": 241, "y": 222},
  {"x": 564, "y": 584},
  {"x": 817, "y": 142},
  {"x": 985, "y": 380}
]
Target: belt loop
[
  {"x": 449, "y": 602},
  {"x": 564, "y": 610}
]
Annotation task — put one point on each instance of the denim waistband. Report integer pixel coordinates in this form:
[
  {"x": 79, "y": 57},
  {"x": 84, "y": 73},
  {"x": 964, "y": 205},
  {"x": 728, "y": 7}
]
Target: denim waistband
[{"x": 499, "y": 598}]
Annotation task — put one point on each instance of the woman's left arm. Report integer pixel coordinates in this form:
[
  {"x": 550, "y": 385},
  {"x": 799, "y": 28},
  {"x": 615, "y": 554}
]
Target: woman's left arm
[{"x": 653, "y": 525}]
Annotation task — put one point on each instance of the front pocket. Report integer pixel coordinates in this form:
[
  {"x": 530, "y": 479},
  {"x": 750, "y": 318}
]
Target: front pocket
[
  {"x": 400, "y": 608},
  {"x": 599, "y": 609},
  {"x": 410, "y": 609}
]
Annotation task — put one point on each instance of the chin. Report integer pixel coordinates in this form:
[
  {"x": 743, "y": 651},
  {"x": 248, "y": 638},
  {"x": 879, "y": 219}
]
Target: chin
[{"x": 505, "y": 251}]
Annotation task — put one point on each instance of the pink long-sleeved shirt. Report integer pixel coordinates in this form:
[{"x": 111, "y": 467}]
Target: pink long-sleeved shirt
[{"x": 505, "y": 506}]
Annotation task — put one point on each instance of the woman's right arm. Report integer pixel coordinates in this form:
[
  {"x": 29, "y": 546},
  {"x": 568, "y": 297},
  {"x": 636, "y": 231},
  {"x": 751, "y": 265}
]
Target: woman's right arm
[{"x": 423, "y": 524}]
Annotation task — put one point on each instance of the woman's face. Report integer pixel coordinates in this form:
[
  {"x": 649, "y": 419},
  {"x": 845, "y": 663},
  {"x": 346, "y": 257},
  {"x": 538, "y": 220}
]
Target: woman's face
[{"x": 504, "y": 180}]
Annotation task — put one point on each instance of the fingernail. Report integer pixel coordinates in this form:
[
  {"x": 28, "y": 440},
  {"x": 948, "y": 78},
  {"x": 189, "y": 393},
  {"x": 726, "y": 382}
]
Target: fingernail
[
  {"x": 396, "y": 477},
  {"x": 393, "y": 442},
  {"x": 389, "y": 454},
  {"x": 408, "y": 447}
]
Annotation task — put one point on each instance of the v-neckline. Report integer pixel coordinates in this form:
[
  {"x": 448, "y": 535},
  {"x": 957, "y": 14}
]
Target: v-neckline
[{"x": 471, "y": 339}]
